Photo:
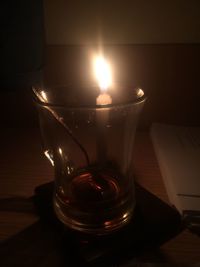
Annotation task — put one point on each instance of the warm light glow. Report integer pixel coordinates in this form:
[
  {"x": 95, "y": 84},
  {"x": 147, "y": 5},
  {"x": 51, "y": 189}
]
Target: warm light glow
[
  {"x": 125, "y": 215},
  {"x": 102, "y": 73},
  {"x": 49, "y": 156},
  {"x": 140, "y": 92},
  {"x": 60, "y": 151},
  {"x": 41, "y": 95},
  {"x": 104, "y": 99},
  {"x": 44, "y": 96}
]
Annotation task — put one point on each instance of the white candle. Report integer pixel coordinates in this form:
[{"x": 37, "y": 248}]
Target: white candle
[
  {"x": 103, "y": 76},
  {"x": 104, "y": 99}
]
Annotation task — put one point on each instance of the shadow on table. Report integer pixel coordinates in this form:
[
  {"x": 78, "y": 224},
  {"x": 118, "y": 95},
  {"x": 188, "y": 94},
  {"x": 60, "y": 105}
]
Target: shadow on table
[{"x": 48, "y": 243}]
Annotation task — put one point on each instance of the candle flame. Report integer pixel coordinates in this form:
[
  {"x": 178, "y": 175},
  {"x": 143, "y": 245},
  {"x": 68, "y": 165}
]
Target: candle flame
[{"x": 102, "y": 73}]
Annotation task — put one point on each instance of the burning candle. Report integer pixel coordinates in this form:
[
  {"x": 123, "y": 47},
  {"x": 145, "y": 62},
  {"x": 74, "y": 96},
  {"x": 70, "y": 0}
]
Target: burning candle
[{"x": 104, "y": 79}]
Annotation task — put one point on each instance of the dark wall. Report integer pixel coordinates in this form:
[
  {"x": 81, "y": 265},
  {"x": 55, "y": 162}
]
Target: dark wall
[
  {"x": 83, "y": 22},
  {"x": 22, "y": 42}
]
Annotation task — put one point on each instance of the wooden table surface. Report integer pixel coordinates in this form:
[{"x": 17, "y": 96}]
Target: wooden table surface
[{"x": 23, "y": 167}]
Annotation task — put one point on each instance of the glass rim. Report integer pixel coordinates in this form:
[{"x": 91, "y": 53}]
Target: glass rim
[{"x": 134, "y": 102}]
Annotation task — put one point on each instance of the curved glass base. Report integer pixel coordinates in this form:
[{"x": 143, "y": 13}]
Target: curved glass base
[
  {"x": 94, "y": 202},
  {"x": 98, "y": 223}
]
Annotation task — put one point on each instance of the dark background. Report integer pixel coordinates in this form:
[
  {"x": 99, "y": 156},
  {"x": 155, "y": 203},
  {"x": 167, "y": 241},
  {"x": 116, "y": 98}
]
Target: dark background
[{"x": 22, "y": 43}]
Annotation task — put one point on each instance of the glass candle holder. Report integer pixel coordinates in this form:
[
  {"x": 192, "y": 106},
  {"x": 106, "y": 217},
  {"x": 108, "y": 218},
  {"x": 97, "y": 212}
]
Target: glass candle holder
[{"x": 90, "y": 147}]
